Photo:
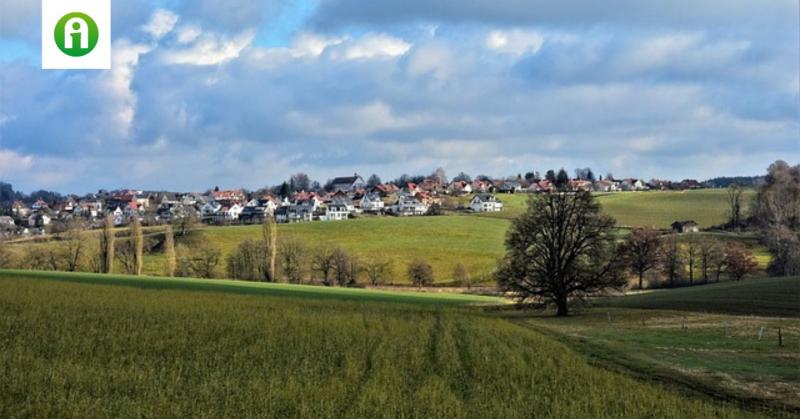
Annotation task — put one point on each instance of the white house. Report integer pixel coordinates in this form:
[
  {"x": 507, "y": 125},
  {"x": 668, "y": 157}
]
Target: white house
[
  {"x": 408, "y": 205},
  {"x": 632, "y": 185},
  {"x": 484, "y": 202},
  {"x": 310, "y": 204},
  {"x": 292, "y": 214},
  {"x": 230, "y": 213},
  {"x": 371, "y": 202},
  {"x": 460, "y": 188},
  {"x": 606, "y": 186},
  {"x": 338, "y": 209},
  {"x": 119, "y": 216},
  {"x": 210, "y": 208}
]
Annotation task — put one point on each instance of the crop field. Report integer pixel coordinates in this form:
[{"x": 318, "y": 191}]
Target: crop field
[
  {"x": 68, "y": 349},
  {"x": 650, "y": 208},
  {"x": 258, "y": 288},
  {"x": 719, "y": 341}
]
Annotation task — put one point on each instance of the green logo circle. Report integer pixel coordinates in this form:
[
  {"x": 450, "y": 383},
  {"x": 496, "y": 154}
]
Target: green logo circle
[{"x": 76, "y": 34}]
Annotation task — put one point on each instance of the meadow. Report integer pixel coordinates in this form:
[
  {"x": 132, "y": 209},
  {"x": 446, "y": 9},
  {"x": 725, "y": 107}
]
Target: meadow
[
  {"x": 69, "y": 349},
  {"x": 718, "y": 341},
  {"x": 761, "y": 296},
  {"x": 659, "y": 209}
]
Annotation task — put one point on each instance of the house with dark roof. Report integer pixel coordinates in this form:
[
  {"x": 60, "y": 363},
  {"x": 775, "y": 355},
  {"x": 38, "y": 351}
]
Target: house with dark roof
[{"x": 348, "y": 183}]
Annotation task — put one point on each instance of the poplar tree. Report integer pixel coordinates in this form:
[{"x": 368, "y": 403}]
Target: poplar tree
[
  {"x": 169, "y": 252},
  {"x": 270, "y": 239},
  {"x": 138, "y": 245},
  {"x": 107, "y": 246}
]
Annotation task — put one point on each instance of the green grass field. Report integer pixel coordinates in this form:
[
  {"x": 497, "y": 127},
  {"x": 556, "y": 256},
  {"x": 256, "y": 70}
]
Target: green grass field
[
  {"x": 650, "y": 208},
  {"x": 766, "y": 297},
  {"x": 442, "y": 241},
  {"x": 72, "y": 349},
  {"x": 258, "y": 288},
  {"x": 719, "y": 341}
]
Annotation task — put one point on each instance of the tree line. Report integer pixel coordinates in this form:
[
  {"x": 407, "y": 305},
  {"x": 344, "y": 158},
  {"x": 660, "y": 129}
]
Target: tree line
[
  {"x": 268, "y": 259},
  {"x": 563, "y": 250}
]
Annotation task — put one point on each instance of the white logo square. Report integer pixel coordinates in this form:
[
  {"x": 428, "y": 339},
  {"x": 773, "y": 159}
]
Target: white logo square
[{"x": 76, "y": 34}]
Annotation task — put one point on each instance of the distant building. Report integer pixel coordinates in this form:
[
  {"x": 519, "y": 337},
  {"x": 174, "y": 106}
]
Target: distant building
[
  {"x": 484, "y": 202},
  {"x": 688, "y": 226},
  {"x": 348, "y": 183},
  {"x": 371, "y": 202}
]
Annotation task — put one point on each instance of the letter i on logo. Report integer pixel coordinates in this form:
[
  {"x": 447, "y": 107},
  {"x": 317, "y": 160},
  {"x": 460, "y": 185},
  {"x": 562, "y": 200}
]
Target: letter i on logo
[{"x": 76, "y": 34}]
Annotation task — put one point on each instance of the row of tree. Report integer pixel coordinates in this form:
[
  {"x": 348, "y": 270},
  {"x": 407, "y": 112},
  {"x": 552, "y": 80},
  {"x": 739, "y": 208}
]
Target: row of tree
[
  {"x": 563, "y": 250},
  {"x": 291, "y": 260},
  {"x": 265, "y": 259},
  {"x": 76, "y": 249},
  {"x": 647, "y": 249}
]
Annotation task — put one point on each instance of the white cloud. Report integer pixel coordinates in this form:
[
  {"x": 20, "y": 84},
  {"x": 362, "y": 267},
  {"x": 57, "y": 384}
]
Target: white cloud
[
  {"x": 11, "y": 163},
  {"x": 358, "y": 120},
  {"x": 187, "y": 34},
  {"x": 645, "y": 144},
  {"x": 435, "y": 59},
  {"x": 312, "y": 45},
  {"x": 209, "y": 49},
  {"x": 515, "y": 42},
  {"x": 116, "y": 84},
  {"x": 161, "y": 23},
  {"x": 687, "y": 52},
  {"x": 373, "y": 46}
]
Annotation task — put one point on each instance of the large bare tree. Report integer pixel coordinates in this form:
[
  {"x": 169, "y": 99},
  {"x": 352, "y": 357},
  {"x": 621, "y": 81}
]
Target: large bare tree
[
  {"x": 561, "y": 250},
  {"x": 74, "y": 244},
  {"x": 709, "y": 256},
  {"x": 776, "y": 210},
  {"x": 378, "y": 270},
  {"x": 640, "y": 251},
  {"x": 670, "y": 259},
  {"x": 292, "y": 252},
  {"x": 322, "y": 263},
  {"x": 739, "y": 261},
  {"x": 735, "y": 206},
  {"x": 420, "y": 272}
]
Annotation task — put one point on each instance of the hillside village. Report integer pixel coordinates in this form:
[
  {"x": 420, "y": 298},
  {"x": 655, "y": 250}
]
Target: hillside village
[{"x": 340, "y": 199}]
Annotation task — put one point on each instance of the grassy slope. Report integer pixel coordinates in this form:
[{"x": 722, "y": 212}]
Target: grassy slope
[
  {"x": 767, "y": 297},
  {"x": 256, "y": 288},
  {"x": 145, "y": 353},
  {"x": 442, "y": 241},
  {"x": 651, "y": 208},
  {"x": 715, "y": 355},
  {"x": 705, "y": 339}
]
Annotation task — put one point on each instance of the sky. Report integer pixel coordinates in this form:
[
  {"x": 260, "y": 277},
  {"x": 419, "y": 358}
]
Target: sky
[{"x": 243, "y": 93}]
